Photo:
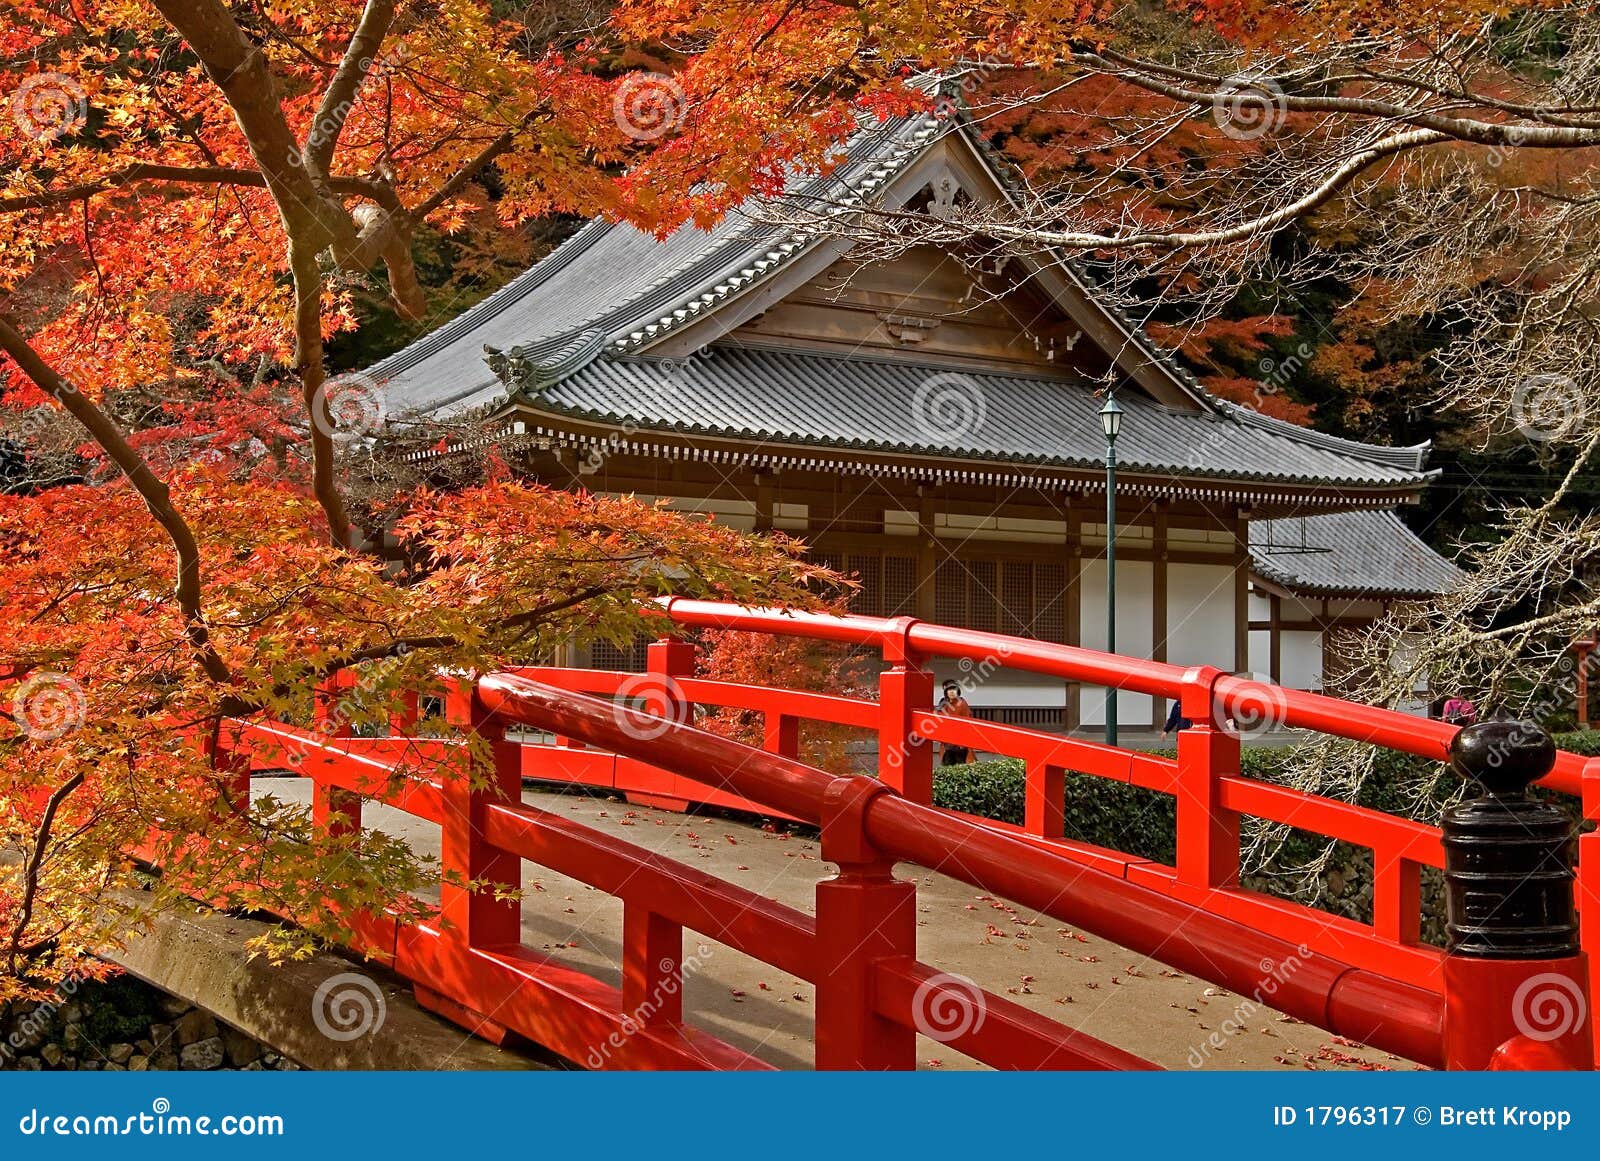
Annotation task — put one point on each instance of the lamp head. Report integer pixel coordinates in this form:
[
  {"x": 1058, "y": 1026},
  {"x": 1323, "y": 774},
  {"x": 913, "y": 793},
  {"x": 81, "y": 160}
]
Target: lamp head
[{"x": 1111, "y": 419}]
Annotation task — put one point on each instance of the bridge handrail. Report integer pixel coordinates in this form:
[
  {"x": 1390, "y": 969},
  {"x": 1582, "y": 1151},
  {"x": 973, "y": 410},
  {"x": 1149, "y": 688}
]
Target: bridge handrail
[
  {"x": 1292, "y": 708},
  {"x": 1346, "y": 999}
]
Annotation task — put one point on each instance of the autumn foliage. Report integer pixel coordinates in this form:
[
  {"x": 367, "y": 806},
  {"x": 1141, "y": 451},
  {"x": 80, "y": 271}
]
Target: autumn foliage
[{"x": 196, "y": 198}]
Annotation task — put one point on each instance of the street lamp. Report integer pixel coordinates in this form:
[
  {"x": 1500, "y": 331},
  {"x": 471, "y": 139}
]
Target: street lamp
[{"x": 1111, "y": 424}]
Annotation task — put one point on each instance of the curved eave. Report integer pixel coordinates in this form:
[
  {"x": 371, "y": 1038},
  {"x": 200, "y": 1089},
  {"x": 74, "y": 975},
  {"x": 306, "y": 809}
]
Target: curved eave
[{"x": 596, "y": 427}]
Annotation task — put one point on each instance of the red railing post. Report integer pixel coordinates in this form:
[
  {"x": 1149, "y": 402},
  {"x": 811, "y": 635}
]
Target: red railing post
[
  {"x": 905, "y": 690},
  {"x": 232, "y": 769},
  {"x": 1588, "y": 885},
  {"x": 669, "y": 659},
  {"x": 781, "y": 734},
  {"x": 334, "y": 810},
  {"x": 864, "y": 916},
  {"x": 477, "y": 917},
  {"x": 652, "y": 967},
  {"x": 1396, "y": 898},
  {"x": 1516, "y": 982},
  {"x": 1208, "y": 835},
  {"x": 407, "y": 716},
  {"x": 1044, "y": 810}
]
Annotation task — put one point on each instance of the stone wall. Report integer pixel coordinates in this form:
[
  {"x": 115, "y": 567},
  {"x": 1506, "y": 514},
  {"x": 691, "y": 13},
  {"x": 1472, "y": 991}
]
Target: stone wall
[{"x": 124, "y": 1025}]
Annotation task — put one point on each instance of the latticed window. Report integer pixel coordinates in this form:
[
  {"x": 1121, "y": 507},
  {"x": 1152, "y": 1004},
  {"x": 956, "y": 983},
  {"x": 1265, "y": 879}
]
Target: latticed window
[
  {"x": 888, "y": 581},
  {"x": 1021, "y": 598},
  {"x": 627, "y": 659}
]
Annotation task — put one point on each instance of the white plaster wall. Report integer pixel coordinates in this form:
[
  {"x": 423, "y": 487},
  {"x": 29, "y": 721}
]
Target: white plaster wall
[
  {"x": 1261, "y": 652},
  {"x": 1300, "y": 653},
  {"x": 1135, "y": 591},
  {"x": 1200, "y": 615}
]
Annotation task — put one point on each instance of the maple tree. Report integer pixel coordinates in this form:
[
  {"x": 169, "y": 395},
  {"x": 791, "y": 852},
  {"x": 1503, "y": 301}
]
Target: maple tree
[
  {"x": 195, "y": 196},
  {"x": 801, "y": 663}
]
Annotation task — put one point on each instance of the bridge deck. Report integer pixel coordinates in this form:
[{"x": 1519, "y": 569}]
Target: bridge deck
[{"x": 1160, "y": 1015}]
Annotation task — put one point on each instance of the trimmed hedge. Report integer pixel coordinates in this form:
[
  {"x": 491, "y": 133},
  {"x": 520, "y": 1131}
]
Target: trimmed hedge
[{"x": 1585, "y": 742}]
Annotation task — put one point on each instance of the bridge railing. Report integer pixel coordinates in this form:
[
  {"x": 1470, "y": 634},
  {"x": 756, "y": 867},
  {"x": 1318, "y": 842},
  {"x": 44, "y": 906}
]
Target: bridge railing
[
  {"x": 860, "y": 949},
  {"x": 1205, "y": 780}
]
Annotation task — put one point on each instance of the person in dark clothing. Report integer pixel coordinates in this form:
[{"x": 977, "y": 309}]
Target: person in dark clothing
[
  {"x": 956, "y": 706},
  {"x": 1175, "y": 722}
]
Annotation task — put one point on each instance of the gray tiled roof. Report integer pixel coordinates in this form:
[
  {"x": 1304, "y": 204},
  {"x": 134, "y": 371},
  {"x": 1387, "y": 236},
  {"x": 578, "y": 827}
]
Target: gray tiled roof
[
  {"x": 555, "y": 336},
  {"x": 1348, "y": 552},
  {"x": 876, "y": 404},
  {"x": 621, "y": 283}
]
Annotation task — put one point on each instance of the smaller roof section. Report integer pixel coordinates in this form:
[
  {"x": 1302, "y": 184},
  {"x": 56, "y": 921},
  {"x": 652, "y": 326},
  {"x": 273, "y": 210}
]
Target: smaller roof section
[{"x": 1369, "y": 552}]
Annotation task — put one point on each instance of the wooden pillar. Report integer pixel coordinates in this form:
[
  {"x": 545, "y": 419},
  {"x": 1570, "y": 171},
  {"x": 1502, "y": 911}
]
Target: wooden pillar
[
  {"x": 1241, "y": 591},
  {"x": 1275, "y": 645},
  {"x": 927, "y": 556},
  {"x": 1072, "y": 615},
  {"x": 1158, "y": 604}
]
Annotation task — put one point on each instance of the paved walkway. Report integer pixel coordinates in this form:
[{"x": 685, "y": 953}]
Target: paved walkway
[{"x": 1089, "y": 983}]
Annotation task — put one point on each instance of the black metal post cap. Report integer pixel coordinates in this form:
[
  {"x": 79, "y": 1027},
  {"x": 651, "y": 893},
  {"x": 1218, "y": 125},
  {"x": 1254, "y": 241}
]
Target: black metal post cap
[
  {"x": 1507, "y": 856},
  {"x": 1505, "y": 758}
]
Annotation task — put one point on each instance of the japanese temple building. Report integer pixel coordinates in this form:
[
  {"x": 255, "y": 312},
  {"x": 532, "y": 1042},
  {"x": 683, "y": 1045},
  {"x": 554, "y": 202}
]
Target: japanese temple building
[{"x": 930, "y": 425}]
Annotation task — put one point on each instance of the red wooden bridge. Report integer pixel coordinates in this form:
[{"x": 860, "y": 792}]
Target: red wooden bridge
[{"x": 1378, "y": 984}]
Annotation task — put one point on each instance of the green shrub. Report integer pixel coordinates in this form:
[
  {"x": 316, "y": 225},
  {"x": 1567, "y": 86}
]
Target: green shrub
[
  {"x": 1143, "y": 823},
  {"x": 1585, "y": 742},
  {"x": 1108, "y": 814}
]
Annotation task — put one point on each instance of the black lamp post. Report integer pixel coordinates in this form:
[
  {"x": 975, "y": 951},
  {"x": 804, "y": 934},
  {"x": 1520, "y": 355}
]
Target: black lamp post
[{"x": 1111, "y": 424}]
